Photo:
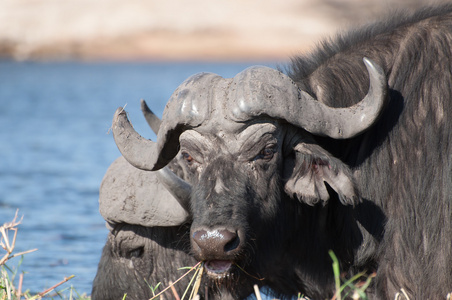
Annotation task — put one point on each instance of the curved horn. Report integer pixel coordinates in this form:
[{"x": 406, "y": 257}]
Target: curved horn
[
  {"x": 142, "y": 154},
  {"x": 179, "y": 188},
  {"x": 343, "y": 123},
  {"x": 187, "y": 108},
  {"x": 138, "y": 151},
  {"x": 153, "y": 121},
  {"x": 264, "y": 91}
]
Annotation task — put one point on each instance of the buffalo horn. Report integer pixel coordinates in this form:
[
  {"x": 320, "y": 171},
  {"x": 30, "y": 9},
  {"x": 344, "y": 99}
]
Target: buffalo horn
[
  {"x": 264, "y": 91},
  {"x": 138, "y": 151},
  {"x": 179, "y": 188},
  {"x": 185, "y": 109},
  {"x": 153, "y": 121},
  {"x": 143, "y": 154},
  {"x": 343, "y": 123}
]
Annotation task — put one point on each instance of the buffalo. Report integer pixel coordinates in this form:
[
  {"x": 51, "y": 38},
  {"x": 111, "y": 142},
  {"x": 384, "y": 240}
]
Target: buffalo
[{"x": 348, "y": 148}]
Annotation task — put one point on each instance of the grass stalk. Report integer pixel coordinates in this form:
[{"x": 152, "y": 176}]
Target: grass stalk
[
  {"x": 173, "y": 290},
  {"x": 190, "y": 283},
  {"x": 167, "y": 288},
  {"x": 337, "y": 276},
  {"x": 257, "y": 292},
  {"x": 8, "y": 291},
  {"x": 195, "y": 289}
]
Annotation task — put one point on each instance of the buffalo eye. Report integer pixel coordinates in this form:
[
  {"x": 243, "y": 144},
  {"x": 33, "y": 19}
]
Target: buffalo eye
[
  {"x": 266, "y": 153},
  {"x": 136, "y": 253},
  {"x": 188, "y": 158}
]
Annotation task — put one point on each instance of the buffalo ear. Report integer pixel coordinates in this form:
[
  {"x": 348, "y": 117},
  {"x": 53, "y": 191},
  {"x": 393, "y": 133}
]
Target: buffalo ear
[
  {"x": 312, "y": 173},
  {"x": 132, "y": 196}
]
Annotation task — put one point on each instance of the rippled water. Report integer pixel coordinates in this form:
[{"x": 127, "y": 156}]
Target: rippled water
[{"x": 55, "y": 149}]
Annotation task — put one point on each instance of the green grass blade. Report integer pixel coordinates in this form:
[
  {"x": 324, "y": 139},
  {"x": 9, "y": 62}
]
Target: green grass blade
[{"x": 337, "y": 274}]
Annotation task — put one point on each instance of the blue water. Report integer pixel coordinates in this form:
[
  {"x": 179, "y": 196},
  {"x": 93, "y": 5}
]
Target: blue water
[{"x": 55, "y": 147}]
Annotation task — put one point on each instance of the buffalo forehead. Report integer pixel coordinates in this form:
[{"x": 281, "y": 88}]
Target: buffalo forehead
[
  {"x": 234, "y": 136},
  {"x": 206, "y": 97},
  {"x": 257, "y": 90},
  {"x": 196, "y": 99}
]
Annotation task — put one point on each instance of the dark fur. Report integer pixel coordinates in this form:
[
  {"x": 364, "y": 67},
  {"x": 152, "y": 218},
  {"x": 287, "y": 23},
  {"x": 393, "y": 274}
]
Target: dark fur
[
  {"x": 404, "y": 163},
  {"x": 135, "y": 256},
  {"x": 286, "y": 243},
  {"x": 401, "y": 169}
]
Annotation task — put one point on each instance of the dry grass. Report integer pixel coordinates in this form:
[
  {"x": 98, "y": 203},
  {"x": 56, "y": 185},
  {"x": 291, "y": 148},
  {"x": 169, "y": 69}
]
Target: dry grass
[
  {"x": 194, "y": 283},
  {"x": 9, "y": 289},
  {"x": 353, "y": 288},
  {"x": 11, "y": 282}
]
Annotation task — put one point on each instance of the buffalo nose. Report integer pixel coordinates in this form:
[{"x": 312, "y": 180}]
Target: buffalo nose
[{"x": 216, "y": 243}]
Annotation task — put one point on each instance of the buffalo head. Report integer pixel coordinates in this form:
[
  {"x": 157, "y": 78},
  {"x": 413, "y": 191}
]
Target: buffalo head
[{"x": 246, "y": 146}]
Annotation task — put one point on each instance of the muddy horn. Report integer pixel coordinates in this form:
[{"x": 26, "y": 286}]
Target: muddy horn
[
  {"x": 138, "y": 151},
  {"x": 185, "y": 110},
  {"x": 261, "y": 91},
  {"x": 153, "y": 121},
  {"x": 179, "y": 188}
]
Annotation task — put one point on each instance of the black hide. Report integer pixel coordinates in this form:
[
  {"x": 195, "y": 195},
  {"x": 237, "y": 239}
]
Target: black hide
[{"x": 381, "y": 201}]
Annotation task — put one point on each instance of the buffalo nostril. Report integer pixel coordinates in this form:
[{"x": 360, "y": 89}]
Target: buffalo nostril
[
  {"x": 216, "y": 242},
  {"x": 233, "y": 243}
]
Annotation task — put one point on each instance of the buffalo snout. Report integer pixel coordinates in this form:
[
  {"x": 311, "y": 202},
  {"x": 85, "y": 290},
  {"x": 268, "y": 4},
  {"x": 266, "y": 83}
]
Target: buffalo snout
[{"x": 216, "y": 243}]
